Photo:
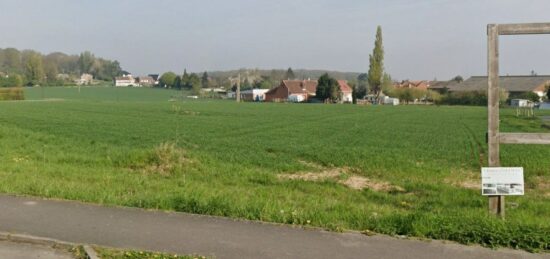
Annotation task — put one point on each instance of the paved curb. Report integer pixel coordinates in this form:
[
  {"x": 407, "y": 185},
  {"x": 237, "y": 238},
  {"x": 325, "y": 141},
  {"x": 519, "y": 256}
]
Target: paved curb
[
  {"x": 21, "y": 238},
  {"x": 90, "y": 252}
]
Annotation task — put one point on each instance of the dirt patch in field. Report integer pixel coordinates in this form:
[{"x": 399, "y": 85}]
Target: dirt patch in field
[
  {"x": 314, "y": 177},
  {"x": 342, "y": 176},
  {"x": 464, "y": 179},
  {"x": 543, "y": 185}
]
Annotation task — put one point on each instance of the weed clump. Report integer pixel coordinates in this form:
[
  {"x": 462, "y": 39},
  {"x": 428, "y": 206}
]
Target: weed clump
[{"x": 165, "y": 159}]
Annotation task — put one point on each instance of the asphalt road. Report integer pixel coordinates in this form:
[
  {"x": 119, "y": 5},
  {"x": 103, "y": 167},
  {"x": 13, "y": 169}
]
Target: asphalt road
[{"x": 213, "y": 236}]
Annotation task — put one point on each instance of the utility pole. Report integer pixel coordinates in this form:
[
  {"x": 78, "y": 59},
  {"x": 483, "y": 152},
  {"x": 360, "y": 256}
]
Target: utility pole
[{"x": 239, "y": 88}]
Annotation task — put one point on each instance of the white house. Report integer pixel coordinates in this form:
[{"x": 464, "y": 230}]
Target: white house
[
  {"x": 85, "y": 79},
  {"x": 254, "y": 95},
  {"x": 125, "y": 81}
]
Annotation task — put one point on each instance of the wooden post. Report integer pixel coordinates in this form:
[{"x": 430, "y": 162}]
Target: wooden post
[
  {"x": 496, "y": 203},
  {"x": 238, "y": 93}
]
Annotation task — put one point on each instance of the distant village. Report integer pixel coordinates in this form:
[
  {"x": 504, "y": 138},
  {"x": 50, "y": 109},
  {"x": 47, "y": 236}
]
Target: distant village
[{"x": 525, "y": 90}]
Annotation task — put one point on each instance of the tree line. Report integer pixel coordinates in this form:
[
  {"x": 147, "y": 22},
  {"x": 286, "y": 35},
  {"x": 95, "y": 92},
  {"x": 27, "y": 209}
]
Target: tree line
[{"x": 29, "y": 67}]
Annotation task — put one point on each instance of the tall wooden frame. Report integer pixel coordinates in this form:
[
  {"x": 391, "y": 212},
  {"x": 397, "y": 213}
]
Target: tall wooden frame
[{"x": 495, "y": 138}]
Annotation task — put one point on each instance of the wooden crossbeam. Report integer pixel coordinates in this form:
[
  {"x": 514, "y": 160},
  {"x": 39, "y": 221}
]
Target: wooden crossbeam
[
  {"x": 524, "y": 28},
  {"x": 525, "y": 138},
  {"x": 494, "y": 137}
]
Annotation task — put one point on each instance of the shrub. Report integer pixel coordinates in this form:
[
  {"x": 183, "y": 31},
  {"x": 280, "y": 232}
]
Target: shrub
[
  {"x": 166, "y": 159},
  {"x": 527, "y": 95},
  {"x": 13, "y": 93},
  {"x": 477, "y": 98}
]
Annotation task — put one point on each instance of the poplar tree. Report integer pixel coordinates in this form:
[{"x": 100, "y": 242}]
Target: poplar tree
[
  {"x": 290, "y": 74},
  {"x": 376, "y": 66}
]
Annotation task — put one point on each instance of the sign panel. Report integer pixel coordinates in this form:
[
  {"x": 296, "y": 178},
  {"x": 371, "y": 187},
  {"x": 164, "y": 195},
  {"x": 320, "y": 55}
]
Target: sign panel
[{"x": 502, "y": 181}]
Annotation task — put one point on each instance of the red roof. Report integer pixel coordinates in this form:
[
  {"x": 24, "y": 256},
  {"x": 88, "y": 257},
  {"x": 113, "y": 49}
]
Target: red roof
[
  {"x": 301, "y": 86},
  {"x": 310, "y": 86},
  {"x": 344, "y": 87}
]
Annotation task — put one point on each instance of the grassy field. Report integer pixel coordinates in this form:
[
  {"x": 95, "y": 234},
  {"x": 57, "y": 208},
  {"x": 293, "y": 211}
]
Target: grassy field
[{"x": 405, "y": 170}]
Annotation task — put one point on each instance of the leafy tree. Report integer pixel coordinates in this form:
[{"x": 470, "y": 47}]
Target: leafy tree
[
  {"x": 86, "y": 61},
  {"x": 458, "y": 79},
  {"x": 195, "y": 83},
  {"x": 167, "y": 79},
  {"x": 246, "y": 85},
  {"x": 11, "y": 80},
  {"x": 387, "y": 82},
  {"x": 185, "y": 83},
  {"x": 328, "y": 88},
  {"x": 362, "y": 87},
  {"x": 376, "y": 66},
  {"x": 264, "y": 83},
  {"x": 12, "y": 60},
  {"x": 290, "y": 74},
  {"x": 34, "y": 69},
  {"x": 50, "y": 70},
  {"x": 277, "y": 75},
  {"x": 205, "y": 80},
  {"x": 177, "y": 83},
  {"x": 433, "y": 97}
]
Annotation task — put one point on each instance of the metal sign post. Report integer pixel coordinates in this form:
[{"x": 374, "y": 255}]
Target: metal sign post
[{"x": 495, "y": 138}]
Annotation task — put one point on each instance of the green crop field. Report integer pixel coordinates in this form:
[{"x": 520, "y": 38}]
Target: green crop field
[{"x": 404, "y": 170}]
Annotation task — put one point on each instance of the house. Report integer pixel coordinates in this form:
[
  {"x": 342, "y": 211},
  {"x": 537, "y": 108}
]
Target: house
[
  {"x": 125, "y": 81},
  {"x": 85, "y": 79},
  {"x": 419, "y": 84},
  {"x": 346, "y": 92},
  {"x": 254, "y": 95},
  {"x": 155, "y": 77},
  {"x": 515, "y": 85},
  {"x": 292, "y": 90},
  {"x": 302, "y": 91},
  {"x": 145, "y": 81},
  {"x": 442, "y": 86}
]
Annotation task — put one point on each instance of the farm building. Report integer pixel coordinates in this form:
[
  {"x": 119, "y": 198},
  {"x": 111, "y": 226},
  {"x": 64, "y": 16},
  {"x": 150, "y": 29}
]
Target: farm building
[
  {"x": 302, "y": 90},
  {"x": 145, "y": 81},
  {"x": 442, "y": 86},
  {"x": 512, "y": 84},
  {"x": 419, "y": 84},
  {"x": 125, "y": 81},
  {"x": 85, "y": 79},
  {"x": 292, "y": 90},
  {"x": 254, "y": 95}
]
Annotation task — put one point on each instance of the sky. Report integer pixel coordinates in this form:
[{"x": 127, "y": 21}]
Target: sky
[{"x": 430, "y": 39}]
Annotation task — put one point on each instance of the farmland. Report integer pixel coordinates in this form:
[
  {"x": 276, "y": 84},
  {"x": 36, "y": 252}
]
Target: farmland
[{"x": 405, "y": 170}]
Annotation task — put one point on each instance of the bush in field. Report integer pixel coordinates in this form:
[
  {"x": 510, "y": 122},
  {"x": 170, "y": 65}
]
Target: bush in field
[
  {"x": 408, "y": 95},
  {"x": 328, "y": 88},
  {"x": 14, "y": 93},
  {"x": 433, "y": 96},
  {"x": 477, "y": 98},
  {"x": 166, "y": 159},
  {"x": 528, "y": 96}
]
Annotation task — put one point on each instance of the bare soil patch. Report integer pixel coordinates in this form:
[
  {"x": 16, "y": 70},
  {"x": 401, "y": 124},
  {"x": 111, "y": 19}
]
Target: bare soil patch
[
  {"x": 342, "y": 176},
  {"x": 464, "y": 179}
]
